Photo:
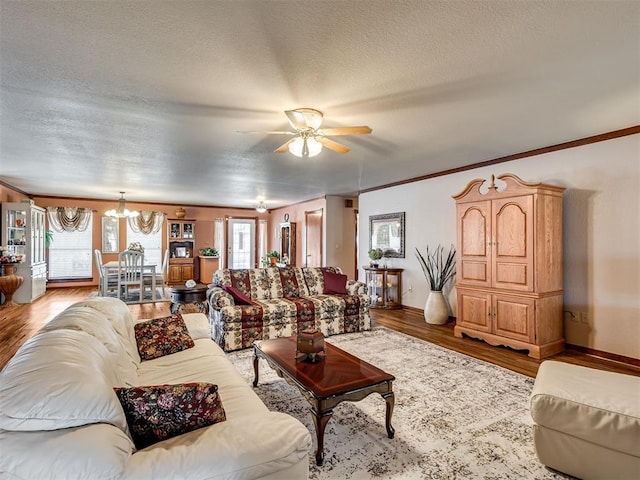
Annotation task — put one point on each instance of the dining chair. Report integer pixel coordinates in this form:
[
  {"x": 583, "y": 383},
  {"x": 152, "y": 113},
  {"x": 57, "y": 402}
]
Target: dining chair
[
  {"x": 130, "y": 265},
  {"x": 161, "y": 275},
  {"x": 111, "y": 279}
]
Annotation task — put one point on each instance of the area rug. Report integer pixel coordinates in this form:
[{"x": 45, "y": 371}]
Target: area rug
[
  {"x": 455, "y": 417},
  {"x": 134, "y": 295}
]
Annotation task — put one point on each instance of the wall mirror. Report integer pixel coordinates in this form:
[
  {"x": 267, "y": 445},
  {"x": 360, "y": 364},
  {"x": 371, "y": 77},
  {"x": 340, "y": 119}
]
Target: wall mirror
[
  {"x": 387, "y": 232},
  {"x": 110, "y": 237}
]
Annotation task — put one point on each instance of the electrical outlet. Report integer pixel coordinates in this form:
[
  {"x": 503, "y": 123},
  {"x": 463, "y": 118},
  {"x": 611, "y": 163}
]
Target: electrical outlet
[{"x": 584, "y": 317}]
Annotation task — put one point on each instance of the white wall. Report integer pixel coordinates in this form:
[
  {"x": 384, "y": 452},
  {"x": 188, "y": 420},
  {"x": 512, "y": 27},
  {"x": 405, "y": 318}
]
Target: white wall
[
  {"x": 339, "y": 235},
  {"x": 601, "y": 233}
]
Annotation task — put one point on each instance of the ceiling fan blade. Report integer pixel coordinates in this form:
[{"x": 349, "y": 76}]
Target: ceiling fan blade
[
  {"x": 284, "y": 147},
  {"x": 331, "y": 145},
  {"x": 269, "y": 132},
  {"x": 363, "y": 130}
]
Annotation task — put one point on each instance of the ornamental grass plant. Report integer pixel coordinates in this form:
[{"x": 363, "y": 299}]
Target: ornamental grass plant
[{"x": 438, "y": 267}]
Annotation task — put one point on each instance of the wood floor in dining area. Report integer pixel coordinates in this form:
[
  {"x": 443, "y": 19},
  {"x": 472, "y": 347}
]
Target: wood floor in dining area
[{"x": 18, "y": 324}]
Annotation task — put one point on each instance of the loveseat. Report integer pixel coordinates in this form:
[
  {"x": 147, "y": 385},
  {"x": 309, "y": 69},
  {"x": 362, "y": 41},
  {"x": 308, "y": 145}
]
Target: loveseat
[
  {"x": 61, "y": 418},
  {"x": 246, "y": 305}
]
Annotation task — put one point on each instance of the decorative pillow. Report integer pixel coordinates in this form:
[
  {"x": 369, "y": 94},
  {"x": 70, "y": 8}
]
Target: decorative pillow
[
  {"x": 159, "y": 412},
  {"x": 239, "y": 297},
  {"x": 334, "y": 283},
  {"x": 162, "y": 336}
]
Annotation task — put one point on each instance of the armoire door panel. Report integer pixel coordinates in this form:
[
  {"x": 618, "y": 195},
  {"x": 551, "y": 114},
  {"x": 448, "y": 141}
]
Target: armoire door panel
[
  {"x": 473, "y": 310},
  {"x": 513, "y": 317},
  {"x": 510, "y": 230},
  {"x": 511, "y": 273},
  {"x": 474, "y": 232},
  {"x": 474, "y": 271},
  {"x": 474, "y": 249},
  {"x": 513, "y": 243}
]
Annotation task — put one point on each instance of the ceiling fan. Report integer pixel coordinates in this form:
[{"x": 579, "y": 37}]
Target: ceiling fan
[{"x": 308, "y": 138}]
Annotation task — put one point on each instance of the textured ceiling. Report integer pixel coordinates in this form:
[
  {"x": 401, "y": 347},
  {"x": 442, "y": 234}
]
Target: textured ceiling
[{"x": 147, "y": 97}]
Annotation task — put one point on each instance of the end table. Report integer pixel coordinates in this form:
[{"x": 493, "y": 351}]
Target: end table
[{"x": 181, "y": 295}]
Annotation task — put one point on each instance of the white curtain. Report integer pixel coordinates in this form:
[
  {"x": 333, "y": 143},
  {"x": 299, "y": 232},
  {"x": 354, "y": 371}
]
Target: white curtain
[
  {"x": 218, "y": 233},
  {"x": 146, "y": 222},
  {"x": 69, "y": 219}
]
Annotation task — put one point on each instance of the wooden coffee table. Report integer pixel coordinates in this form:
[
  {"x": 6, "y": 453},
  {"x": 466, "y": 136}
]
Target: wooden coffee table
[{"x": 337, "y": 378}]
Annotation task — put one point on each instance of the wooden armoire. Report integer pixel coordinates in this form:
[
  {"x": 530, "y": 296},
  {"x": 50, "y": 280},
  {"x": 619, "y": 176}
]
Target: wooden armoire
[{"x": 509, "y": 265}]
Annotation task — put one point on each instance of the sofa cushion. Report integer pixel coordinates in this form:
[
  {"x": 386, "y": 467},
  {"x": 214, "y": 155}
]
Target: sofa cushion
[
  {"x": 198, "y": 325},
  {"x": 94, "y": 323},
  {"x": 159, "y": 412},
  {"x": 334, "y": 283},
  {"x": 255, "y": 446},
  {"x": 96, "y": 452},
  {"x": 289, "y": 281},
  {"x": 260, "y": 283},
  {"x": 238, "y": 297},
  {"x": 59, "y": 379},
  {"x": 239, "y": 279},
  {"x": 162, "y": 336},
  {"x": 118, "y": 313}
]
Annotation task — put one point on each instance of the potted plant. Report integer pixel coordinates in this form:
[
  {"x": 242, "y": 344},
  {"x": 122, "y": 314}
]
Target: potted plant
[
  {"x": 375, "y": 254},
  {"x": 438, "y": 267},
  {"x": 273, "y": 257},
  {"x": 208, "y": 252}
]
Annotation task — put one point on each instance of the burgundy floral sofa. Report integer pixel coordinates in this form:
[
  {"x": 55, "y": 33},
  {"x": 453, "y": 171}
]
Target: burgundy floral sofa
[{"x": 262, "y": 303}]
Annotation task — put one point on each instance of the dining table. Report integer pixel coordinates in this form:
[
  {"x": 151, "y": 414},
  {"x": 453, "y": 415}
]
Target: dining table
[{"x": 113, "y": 267}]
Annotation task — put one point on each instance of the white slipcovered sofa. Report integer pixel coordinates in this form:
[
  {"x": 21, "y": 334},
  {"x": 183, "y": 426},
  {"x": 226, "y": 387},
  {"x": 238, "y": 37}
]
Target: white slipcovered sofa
[{"x": 60, "y": 417}]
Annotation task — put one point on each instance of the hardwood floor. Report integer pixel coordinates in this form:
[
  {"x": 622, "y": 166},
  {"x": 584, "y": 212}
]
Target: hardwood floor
[{"x": 18, "y": 324}]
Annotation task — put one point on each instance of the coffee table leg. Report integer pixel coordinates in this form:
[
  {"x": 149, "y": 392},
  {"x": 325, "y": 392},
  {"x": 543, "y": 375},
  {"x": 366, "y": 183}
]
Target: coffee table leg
[
  {"x": 255, "y": 369},
  {"x": 321, "y": 420},
  {"x": 390, "y": 399}
]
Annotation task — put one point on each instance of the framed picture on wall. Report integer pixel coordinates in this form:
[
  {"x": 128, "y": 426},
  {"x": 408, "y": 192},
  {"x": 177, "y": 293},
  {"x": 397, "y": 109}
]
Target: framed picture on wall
[
  {"x": 110, "y": 234},
  {"x": 387, "y": 232}
]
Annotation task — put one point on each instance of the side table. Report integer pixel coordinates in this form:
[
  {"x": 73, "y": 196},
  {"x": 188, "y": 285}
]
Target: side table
[{"x": 181, "y": 295}]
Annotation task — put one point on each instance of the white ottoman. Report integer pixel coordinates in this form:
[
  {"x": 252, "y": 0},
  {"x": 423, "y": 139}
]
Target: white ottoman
[{"x": 587, "y": 421}]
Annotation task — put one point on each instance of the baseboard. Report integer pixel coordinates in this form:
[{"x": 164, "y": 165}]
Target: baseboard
[{"x": 606, "y": 355}]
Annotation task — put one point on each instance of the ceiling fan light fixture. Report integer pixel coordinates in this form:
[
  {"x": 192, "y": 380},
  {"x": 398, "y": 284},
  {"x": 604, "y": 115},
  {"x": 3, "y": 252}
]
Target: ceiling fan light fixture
[
  {"x": 305, "y": 147},
  {"x": 122, "y": 211},
  {"x": 261, "y": 208}
]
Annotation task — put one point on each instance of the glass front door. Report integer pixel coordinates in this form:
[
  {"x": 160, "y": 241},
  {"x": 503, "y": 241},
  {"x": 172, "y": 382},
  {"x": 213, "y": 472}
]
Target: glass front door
[{"x": 241, "y": 243}]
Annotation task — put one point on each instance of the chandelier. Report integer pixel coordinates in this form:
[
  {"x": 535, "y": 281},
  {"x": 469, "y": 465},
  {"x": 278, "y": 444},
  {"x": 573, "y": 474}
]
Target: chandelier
[
  {"x": 121, "y": 211},
  {"x": 261, "y": 208}
]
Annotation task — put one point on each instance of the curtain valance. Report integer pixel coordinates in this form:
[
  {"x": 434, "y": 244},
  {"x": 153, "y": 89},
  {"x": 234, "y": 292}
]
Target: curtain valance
[
  {"x": 147, "y": 222},
  {"x": 69, "y": 219}
]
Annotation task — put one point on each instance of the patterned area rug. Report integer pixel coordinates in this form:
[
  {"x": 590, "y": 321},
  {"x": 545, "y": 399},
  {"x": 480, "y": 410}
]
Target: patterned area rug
[
  {"x": 134, "y": 295},
  {"x": 455, "y": 417}
]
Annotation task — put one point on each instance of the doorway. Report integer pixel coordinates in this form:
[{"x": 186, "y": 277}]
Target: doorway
[
  {"x": 241, "y": 241},
  {"x": 313, "y": 238}
]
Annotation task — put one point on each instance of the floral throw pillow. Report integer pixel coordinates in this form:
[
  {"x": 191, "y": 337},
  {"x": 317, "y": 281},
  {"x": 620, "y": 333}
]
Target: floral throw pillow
[
  {"x": 162, "y": 336},
  {"x": 159, "y": 412}
]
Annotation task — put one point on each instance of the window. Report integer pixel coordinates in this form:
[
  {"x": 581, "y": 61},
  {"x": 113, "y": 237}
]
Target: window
[
  {"x": 70, "y": 254},
  {"x": 152, "y": 243}
]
